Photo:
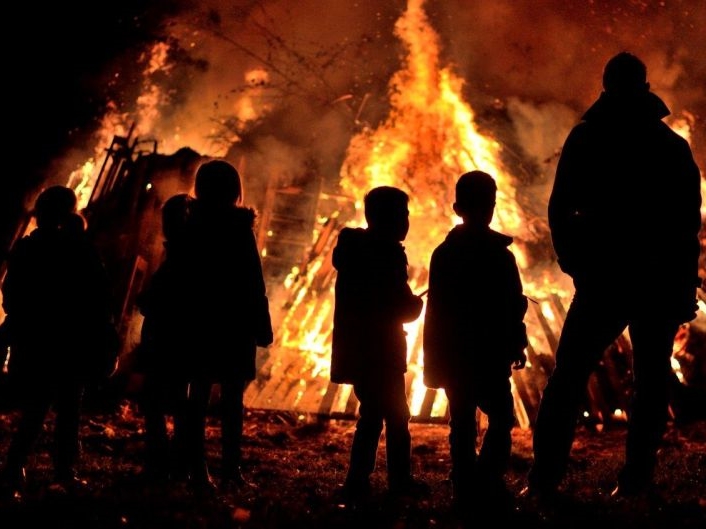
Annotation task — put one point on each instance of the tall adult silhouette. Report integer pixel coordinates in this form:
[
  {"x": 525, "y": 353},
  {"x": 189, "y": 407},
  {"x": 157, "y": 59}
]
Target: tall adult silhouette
[
  {"x": 229, "y": 315},
  {"x": 56, "y": 295},
  {"x": 624, "y": 215}
]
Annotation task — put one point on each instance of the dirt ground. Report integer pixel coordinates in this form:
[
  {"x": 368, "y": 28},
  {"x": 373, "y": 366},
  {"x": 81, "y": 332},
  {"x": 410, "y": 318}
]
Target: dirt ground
[{"x": 297, "y": 463}]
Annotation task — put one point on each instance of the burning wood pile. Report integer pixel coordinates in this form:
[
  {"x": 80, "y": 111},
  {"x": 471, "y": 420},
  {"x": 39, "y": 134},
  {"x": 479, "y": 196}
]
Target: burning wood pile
[
  {"x": 429, "y": 138},
  {"x": 294, "y": 373}
]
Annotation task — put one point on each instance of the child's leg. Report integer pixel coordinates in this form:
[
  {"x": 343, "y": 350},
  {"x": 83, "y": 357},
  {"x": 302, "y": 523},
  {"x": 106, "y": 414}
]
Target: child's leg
[
  {"x": 66, "y": 437},
  {"x": 497, "y": 403},
  {"x": 197, "y": 409},
  {"x": 32, "y": 414},
  {"x": 179, "y": 453},
  {"x": 367, "y": 435},
  {"x": 462, "y": 440},
  {"x": 231, "y": 427},
  {"x": 398, "y": 439},
  {"x": 156, "y": 439}
]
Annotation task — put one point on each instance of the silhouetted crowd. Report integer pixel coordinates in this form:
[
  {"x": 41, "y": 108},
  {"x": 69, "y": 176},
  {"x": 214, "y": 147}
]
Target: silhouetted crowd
[{"x": 624, "y": 182}]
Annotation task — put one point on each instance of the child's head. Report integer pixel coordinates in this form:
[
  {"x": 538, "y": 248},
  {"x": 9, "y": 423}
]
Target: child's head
[
  {"x": 76, "y": 223},
  {"x": 54, "y": 206},
  {"x": 475, "y": 197},
  {"x": 386, "y": 212},
  {"x": 175, "y": 212},
  {"x": 218, "y": 182}
]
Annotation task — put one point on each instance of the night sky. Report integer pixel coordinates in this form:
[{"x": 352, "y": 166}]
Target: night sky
[{"x": 57, "y": 52}]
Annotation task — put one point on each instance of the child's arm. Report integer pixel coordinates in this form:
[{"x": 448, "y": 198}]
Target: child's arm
[{"x": 411, "y": 306}]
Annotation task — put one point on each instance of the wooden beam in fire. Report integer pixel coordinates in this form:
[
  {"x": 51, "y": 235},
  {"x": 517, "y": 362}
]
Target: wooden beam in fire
[{"x": 285, "y": 381}]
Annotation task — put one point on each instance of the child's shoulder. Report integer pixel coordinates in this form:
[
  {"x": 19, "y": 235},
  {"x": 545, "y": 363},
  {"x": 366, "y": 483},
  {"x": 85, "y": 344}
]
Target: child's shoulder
[
  {"x": 352, "y": 236},
  {"x": 235, "y": 218},
  {"x": 245, "y": 215},
  {"x": 349, "y": 231}
]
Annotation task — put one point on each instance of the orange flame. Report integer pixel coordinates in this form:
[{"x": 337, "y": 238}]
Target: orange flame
[{"x": 428, "y": 140}]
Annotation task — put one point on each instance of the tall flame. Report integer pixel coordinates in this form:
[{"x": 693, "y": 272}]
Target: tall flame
[{"x": 428, "y": 140}]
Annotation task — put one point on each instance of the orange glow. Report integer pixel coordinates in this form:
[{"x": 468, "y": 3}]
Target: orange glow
[
  {"x": 426, "y": 142},
  {"x": 428, "y": 139}
]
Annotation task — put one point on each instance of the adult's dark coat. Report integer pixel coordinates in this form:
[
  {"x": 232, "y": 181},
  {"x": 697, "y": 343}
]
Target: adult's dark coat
[{"x": 624, "y": 210}]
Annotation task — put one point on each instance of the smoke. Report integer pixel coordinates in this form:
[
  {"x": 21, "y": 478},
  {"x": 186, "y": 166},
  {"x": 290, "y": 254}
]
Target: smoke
[
  {"x": 328, "y": 64},
  {"x": 283, "y": 86},
  {"x": 553, "y": 52},
  {"x": 280, "y": 88}
]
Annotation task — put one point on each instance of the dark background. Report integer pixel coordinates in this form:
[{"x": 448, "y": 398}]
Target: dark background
[
  {"x": 62, "y": 63},
  {"x": 56, "y": 55}
]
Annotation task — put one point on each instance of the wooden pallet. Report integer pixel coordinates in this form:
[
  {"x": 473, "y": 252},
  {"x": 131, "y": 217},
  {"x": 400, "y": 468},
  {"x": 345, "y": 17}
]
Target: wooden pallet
[{"x": 287, "y": 380}]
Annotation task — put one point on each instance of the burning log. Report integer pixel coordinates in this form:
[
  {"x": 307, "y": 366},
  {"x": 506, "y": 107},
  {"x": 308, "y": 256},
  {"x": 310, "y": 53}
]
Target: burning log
[{"x": 293, "y": 374}]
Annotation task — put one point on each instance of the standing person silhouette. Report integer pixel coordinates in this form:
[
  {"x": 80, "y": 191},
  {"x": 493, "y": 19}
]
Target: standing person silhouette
[
  {"x": 474, "y": 334},
  {"x": 369, "y": 350},
  {"x": 56, "y": 295},
  {"x": 230, "y": 315},
  {"x": 624, "y": 215},
  {"x": 164, "y": 355}
]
